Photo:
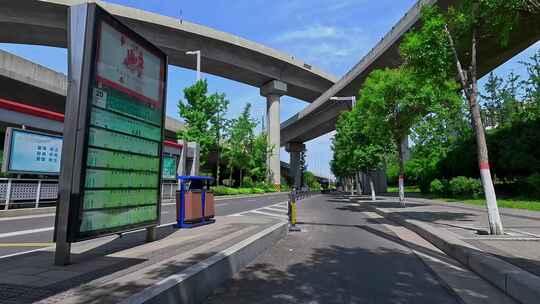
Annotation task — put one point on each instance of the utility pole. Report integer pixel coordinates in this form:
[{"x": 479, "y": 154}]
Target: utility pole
[{"x": 217, "y": 148}]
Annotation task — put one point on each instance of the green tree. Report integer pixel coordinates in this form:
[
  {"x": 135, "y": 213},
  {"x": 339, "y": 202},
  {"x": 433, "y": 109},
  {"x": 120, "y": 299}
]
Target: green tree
[
  {"x": 492, "y": 100},
  {"x": 394, "y": 100},
  {"x": 532, "y": 85},
  {"x": 218, "y": 122},
  {"x": 311, "y": 181},
  {"x": 475, "y": 21},
  {"x": 342, "y": 146},
  {"x": 199, "y": 111},
  {"x": 240, "y": 142},
  {"x": 258, "y": 166},
  {"x": 354, "y": 151},
  {"x": 512, "y": 106}
]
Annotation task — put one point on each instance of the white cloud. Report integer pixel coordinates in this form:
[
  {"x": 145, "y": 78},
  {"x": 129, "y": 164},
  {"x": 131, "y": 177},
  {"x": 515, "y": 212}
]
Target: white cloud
[
  {"x": 330, "y": 47},
  {"x": 313, "y": 32}
]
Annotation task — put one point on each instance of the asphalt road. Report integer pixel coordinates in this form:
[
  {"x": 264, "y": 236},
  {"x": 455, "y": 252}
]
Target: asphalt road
[
  {"x": 26, "y": 233},
  {"x": 341, "y": 256}
]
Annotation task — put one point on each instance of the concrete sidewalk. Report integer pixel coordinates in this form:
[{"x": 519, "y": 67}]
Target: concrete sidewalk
[
  {"x": 460, "y": 231},
  {"x": 181, "y": 266}
]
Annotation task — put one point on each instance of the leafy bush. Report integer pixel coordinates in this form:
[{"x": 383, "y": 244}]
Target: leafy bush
[
  {"x": 247, "y": 182},
  {"x": 437, "y": 187},
  {"x": 244, "y": 190},
  {"x": 222, "y": 190},
  {"x": 530, "y": 186},
  {"x": 257, "y": 190},
  {"x": 465, "y": 186}
]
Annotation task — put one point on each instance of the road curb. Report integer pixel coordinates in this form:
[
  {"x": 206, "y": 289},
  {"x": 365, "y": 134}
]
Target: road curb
[
  {"x": 197, "y": 282},
  {"x": 514, "y": 281}
]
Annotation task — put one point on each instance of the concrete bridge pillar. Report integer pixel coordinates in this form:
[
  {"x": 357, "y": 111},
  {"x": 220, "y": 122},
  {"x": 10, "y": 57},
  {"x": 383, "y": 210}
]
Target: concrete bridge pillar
[
  {"x": 273, "y": 91},
  {"x": 296, "y": 149}
]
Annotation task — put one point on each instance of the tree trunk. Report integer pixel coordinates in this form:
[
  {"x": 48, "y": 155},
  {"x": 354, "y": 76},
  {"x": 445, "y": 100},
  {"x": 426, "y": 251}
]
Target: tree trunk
[
  {"x": 351, "y": 183},
  {"x": 217, "y": 165},
  {"x": 372, "y": 187},
  {"x": 495, "y": 224},
  {"x": 241, "y": 179},
  {"x": 470, "y": 89},
  {"x": 401, "y": 179},
  {"x": 358, "y": 184},
  {"x": 230, "y": 175}
]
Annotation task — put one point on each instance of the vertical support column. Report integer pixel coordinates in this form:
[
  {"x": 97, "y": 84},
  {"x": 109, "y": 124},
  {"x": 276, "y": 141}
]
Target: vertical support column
[
  {"x": 181, "y": 170},
  {"x": 273, "y": 90},
  {"x": 196, "y": 158},
  {"x": 8, "y": 194},
  {"x": 295, "y": 149},
  {"x": 38, "y": 194}
]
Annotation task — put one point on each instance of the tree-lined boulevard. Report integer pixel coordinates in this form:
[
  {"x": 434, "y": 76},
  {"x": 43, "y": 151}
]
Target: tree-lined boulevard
[{"x": 423, "y": 92}]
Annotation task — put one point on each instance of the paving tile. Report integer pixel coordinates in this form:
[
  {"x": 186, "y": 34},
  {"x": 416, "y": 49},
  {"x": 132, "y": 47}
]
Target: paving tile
[
  {"x": 18, "y": 279},
  {"x": 26, "y": 270}
]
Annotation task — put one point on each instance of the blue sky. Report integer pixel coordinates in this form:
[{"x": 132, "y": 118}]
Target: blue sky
[{"x": 332, "y": 35}]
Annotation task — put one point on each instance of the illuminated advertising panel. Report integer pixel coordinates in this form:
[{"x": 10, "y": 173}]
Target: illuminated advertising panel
[
  {"x": 169, "y": 167},
  {"x": 31, "y": 152},
  {"x": 118, "y": 175}
]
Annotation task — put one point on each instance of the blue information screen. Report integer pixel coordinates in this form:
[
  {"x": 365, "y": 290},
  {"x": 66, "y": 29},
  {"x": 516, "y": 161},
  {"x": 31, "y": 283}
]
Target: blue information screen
[{"x": 34, "y": 152}]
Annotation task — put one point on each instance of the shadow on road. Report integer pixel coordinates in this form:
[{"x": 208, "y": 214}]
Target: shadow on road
[{"x": 334, "y": 274}]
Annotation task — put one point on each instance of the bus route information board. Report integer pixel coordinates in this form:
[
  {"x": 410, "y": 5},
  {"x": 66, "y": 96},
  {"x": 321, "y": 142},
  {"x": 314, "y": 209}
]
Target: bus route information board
[
  {"x": 122, "y": 175},
  {"x": 121, "y": 161}
]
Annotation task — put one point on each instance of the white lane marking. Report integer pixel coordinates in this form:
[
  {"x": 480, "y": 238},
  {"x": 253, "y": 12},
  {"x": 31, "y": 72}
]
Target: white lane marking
[
  {"x": 22, "y": 232},
  {"x": 30, "y": 231},
  {"x": 50, "y": 247},
  {"x": 268, "y": 214},
  {"x": 258, "y": 209},
  {"x": 280, "y": 210},
  {"x": 24, "y": 252},
  {"x": 24, "y": 217}
]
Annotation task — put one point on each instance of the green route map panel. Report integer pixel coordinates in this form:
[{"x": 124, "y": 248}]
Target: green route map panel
[
  {"x": 122, "y": 164},
  {"x": 98, "y": 178},
  {"x": 101, "y": 138},
  {"x": 117, "y": 217},
  {"x": 100, "y": 199},
  {"x": 114, "y": 101},
  {"x": 109, "y": 120},
  {"x": 120, "y": 160}
]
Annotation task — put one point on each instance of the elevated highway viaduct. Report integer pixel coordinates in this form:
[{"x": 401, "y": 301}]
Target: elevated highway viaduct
[{"x": 44, "y": 22}]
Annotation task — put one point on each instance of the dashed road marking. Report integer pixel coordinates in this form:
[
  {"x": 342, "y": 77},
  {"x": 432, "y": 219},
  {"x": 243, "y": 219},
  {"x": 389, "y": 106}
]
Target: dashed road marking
[
  {"x": 268, "y": 214},
  {"x": 268, "y": 210},
  {"x": 23, "y": 232},
  {"x": 18, "y": 245}
]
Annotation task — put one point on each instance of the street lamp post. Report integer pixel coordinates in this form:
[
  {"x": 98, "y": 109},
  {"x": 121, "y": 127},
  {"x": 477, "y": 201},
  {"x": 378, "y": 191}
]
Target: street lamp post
[{"x": 198, "y": 53}]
